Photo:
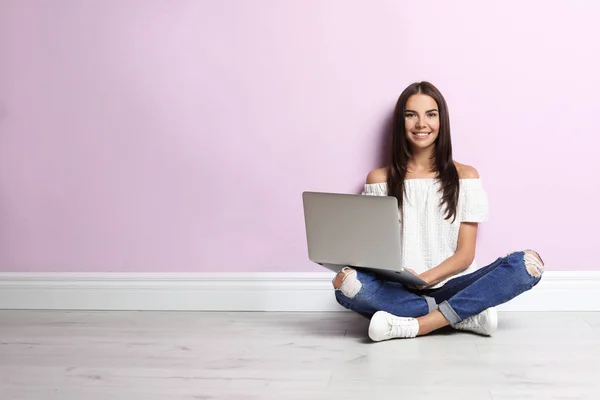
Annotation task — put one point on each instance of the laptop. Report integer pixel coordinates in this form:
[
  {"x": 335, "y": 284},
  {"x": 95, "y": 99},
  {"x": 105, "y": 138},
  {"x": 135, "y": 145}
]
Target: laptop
[{"x": 359, "y": 231}]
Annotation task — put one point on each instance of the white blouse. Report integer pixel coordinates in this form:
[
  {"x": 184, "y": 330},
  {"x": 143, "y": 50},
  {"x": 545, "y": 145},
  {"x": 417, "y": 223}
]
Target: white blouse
[{"x": 427, "y": 238}]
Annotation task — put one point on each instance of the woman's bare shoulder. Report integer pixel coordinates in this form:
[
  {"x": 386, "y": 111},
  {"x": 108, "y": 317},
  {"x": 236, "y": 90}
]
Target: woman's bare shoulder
[
  {"x": 466, "y": 171},
  {"x": 378, "y": 175}
]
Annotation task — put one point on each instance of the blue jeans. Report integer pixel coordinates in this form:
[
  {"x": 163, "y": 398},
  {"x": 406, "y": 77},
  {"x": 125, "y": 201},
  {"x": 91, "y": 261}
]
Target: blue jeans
[{"x": 458, "y": 299}]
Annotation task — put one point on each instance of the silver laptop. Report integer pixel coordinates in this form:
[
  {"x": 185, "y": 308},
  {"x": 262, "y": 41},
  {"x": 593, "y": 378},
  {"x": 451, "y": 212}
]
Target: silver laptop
[{"x": 359, "y": 231}]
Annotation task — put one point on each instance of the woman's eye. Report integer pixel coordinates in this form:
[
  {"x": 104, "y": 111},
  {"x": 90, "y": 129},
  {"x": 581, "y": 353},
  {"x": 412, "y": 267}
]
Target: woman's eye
[
  {"x": 409, "y": 115},
  {"x": 432, "y": 115}
]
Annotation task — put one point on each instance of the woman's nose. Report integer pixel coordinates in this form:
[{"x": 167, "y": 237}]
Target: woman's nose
[{"x": 420, "y": 123}]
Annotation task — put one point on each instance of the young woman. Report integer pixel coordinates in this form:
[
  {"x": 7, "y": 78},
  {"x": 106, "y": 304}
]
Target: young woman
[{"x": 441, "y": 203}]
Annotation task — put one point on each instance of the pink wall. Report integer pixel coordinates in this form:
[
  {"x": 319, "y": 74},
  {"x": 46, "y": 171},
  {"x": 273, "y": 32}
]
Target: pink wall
[{"x": 178, "y": 135}]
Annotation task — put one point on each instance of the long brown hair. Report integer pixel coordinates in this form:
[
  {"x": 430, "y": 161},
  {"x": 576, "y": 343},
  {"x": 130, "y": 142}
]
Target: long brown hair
[{"x": 442, "y": 160}]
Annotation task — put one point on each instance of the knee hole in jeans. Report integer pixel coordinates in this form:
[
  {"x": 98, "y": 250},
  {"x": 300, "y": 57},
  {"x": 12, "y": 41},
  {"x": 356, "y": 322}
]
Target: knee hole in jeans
[
  {"x": 347, "y": 282},
  {"x": 533, "y": 263}
]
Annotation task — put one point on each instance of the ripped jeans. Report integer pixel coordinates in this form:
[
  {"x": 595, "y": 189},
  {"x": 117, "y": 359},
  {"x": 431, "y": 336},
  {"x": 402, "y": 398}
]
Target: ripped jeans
[{"x": 459, "y": 298}]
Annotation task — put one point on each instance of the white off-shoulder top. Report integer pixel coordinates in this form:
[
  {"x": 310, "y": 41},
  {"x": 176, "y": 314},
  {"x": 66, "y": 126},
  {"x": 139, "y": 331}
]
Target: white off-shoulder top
[{"x": 427, "y": 238}]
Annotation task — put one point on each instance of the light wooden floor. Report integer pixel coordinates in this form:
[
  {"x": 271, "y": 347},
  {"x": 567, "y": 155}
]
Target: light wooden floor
[{"x": 191, "y": 355}]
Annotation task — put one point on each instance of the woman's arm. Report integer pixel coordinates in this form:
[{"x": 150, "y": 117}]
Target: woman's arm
[
  {"x": 467, "y": 238},
  {"x": 460, "y": 260}
]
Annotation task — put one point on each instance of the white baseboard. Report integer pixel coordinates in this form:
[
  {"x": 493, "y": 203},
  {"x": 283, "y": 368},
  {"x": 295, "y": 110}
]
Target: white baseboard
[{"x": 558, "y": 291}]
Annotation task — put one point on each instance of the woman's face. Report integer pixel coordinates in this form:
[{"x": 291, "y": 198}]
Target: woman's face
[{"x": 422, "y": 121}]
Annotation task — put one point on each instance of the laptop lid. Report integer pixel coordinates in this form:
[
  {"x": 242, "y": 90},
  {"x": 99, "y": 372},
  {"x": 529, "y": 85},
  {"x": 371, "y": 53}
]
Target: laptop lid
[{"x": 356, "y": 230}]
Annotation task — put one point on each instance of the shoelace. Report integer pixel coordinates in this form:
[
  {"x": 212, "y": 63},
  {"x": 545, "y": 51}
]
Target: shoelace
[
  {"x": 399, "y": 327},
  {"x": 473, "y": 323}
]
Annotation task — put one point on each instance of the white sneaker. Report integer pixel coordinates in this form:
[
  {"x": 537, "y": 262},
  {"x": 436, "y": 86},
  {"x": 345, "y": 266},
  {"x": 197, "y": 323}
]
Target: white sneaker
[
  {"x": 386, "y": 326},
  {"x": 484, "y": 323}
]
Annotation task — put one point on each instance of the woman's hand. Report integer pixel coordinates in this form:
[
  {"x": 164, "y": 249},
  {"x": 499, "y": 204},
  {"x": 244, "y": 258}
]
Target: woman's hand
[{"x": 423, "y": 277}]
